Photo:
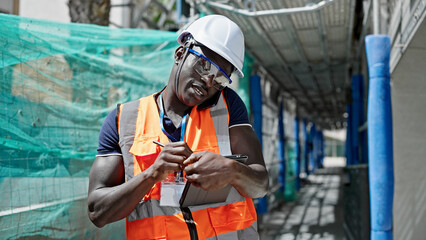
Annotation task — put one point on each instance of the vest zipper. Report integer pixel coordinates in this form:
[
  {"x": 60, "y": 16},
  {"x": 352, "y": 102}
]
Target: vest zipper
[{"x": 190, "y": 223}]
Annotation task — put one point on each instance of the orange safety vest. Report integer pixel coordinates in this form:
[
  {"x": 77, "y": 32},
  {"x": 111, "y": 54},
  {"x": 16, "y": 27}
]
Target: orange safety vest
[{"x": 138, "y": 126}]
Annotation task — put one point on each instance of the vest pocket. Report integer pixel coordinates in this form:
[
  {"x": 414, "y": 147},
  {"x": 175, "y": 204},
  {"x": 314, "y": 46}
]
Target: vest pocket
[
  {"x": 145, "y": 152},
  {"x": 231, "y": 217}
]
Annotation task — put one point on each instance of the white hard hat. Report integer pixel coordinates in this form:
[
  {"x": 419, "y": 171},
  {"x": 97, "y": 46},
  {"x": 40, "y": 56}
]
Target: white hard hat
[{"x": 221, "y": 35}]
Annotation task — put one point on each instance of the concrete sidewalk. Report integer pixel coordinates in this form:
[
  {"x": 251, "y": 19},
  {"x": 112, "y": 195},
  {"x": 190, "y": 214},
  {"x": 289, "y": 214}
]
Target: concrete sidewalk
[{"x": 317, "y": 213}]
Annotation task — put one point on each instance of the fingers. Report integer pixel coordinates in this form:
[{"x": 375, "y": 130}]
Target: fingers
[
  {"x": 190, "y": 164},
  {"x": 205, "y": 183},
  {"x": 192, "y": 159},
  {"x": 178, "y": 148},
  {"x": 175, "y": 152},
  {"x": 171, "y": 157},
  {"x": 192, "y": 177},
  {"x": 171, "y": 167},
  {"x": 195, "y": 180}
]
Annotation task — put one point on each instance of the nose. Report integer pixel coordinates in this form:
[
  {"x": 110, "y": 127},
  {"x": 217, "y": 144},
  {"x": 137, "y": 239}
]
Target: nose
[{"x": 208, "y": 79}]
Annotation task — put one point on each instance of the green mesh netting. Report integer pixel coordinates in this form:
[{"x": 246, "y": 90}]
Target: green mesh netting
[{"x": 58, "y": 82}]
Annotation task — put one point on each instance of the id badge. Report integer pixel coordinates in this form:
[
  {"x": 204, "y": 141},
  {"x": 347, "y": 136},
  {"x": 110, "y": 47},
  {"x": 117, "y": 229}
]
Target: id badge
[{"x": 171, "y": 191}]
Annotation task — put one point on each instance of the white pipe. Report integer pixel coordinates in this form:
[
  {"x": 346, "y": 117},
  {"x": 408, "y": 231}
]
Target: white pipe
[
  {"x": 376, "y": 17},
  {"x": 282, "y": 11}
]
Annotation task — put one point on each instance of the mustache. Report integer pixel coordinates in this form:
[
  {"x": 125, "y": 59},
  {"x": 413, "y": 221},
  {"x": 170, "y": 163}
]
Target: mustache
[{"x": 200, "y": 84}]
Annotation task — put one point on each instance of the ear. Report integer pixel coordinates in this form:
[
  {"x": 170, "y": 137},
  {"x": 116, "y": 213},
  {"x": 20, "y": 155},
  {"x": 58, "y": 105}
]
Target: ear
[{"x": 179, "y": 52}]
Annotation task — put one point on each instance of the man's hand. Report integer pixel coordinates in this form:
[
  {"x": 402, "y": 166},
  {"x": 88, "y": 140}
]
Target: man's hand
[
  {"x": 169, "y": 160},
  {"x": 210, "y": 171},
  {"x": 110, "y": 198}
]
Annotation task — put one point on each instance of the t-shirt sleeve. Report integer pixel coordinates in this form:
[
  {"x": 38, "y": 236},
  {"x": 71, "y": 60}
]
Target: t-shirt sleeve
[
  {"x": 237, "y": 109},
  {"x": 108, "y": 136}
]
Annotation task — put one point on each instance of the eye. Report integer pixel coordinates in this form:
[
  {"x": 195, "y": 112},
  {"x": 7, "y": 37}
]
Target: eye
[{"x": 205, "y": 64}]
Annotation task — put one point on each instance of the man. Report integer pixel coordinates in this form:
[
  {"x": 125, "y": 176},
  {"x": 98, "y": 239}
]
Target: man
[{"x": 199, "y": 120}]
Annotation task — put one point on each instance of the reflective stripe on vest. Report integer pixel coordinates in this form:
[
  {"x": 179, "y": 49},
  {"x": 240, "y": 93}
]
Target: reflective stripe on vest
[
  {"x": 139, "y": 125},
  {"x": 247, "y": 233},
  {"x": 126, "y": 132}
]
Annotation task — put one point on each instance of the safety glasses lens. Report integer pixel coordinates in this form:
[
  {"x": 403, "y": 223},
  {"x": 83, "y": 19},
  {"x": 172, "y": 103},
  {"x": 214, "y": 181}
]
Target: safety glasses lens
[
  {"x": 205, "y": 68},
  {"x": 221, "y": 80}
]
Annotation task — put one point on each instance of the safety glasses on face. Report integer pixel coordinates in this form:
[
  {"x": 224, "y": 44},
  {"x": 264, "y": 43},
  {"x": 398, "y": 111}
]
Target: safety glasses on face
[{"x": 205, "y": 67}]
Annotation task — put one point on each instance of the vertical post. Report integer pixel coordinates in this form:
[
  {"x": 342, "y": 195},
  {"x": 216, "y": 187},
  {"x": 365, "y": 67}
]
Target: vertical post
[
  {"x": 356, "y": 117},
  {"x": 318, "y": 146},
  {"x": 313, "y": 154},
  {"x": 321, "y": 149},
  {"x": 306, "y": 144},
  {"x": 256, "y": 106},
  {"x": 376, "y": 16},
  {"x": 179, "y": 11},
  {"x": 363, "y": 134},
  {"x": 348, "y": 145},
  {"x": 380, "y": 139},
  {"x": 297, "y": 151},
  {"x": 323, "y": 143},
  {"x": 281, "y": 149}
]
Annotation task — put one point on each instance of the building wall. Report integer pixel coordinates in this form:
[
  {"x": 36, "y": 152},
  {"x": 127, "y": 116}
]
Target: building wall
[
  {"x": 57, "y": 10},
  {"x": 45, "y": 9},
  {"x": 6, "y": 7},
  {"x": 408, "y": 86}
]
